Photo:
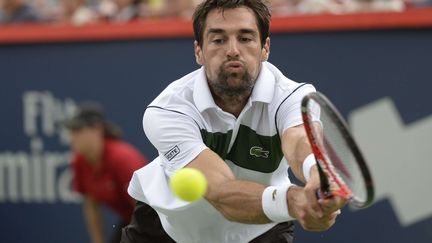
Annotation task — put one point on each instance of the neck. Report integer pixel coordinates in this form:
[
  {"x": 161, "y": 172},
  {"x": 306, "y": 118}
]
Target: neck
[{"x": 94, "y": 155}]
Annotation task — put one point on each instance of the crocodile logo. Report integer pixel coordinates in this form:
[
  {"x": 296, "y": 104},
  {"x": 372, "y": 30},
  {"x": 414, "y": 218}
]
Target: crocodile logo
[{"x": 259, "y": 152}]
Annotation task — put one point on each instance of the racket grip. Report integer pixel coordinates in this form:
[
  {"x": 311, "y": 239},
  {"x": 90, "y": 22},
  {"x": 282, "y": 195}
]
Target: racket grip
[{"x": 320, "y": 194}]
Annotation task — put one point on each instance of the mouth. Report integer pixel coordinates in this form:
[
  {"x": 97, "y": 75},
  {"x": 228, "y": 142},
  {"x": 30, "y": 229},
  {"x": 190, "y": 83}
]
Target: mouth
[{"x": 234, "y": 65}]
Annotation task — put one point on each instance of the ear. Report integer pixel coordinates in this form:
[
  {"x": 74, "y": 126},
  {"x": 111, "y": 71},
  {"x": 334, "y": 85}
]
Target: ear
[
  {"x": 265, "y": 52},
  {"x": 198, "y": 53}
]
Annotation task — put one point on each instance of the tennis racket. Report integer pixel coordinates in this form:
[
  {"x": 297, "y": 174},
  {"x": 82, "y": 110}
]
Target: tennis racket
[{"x": 342, "y": 169}]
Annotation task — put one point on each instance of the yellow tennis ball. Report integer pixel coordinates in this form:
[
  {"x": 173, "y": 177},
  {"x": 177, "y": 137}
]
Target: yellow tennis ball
[{"x": 189, "y": 184}]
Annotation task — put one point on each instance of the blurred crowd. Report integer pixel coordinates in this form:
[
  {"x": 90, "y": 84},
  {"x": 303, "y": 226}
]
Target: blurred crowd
[{"x": 79, "y": 12}]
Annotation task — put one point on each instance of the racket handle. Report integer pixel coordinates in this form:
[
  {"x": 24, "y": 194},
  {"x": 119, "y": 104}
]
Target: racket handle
[{"x": 320, "y": 194}]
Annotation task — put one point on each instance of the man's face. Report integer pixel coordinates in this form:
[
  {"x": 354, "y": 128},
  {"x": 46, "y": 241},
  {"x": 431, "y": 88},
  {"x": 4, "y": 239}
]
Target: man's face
[{"x": 231, "y": 51}]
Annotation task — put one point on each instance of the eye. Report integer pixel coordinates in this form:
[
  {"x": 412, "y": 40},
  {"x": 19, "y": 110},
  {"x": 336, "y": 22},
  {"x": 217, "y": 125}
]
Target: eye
[
  {"x": 245, "y": 39},
  {"x": 218, "y": 41}
]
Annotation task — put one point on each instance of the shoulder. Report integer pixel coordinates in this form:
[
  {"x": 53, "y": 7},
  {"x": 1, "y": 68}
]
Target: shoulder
[
  {"x": 283, "y": 84},
  {"x": 118, "y": 149},
  {"x": 180, "y": 90},
  {"x": 121, "y": 157},
  {"x": 284, "y": 87},
  {"x": 177, "y": 101}
]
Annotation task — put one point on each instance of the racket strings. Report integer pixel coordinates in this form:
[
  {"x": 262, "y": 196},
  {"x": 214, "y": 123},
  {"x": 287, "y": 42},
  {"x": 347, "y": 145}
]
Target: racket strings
[{"x": 342, "y": 160}]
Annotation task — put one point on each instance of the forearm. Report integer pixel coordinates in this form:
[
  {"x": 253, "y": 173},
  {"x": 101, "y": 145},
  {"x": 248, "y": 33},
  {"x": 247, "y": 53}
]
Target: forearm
[
  {"x": 296, "y": 148},
  {"x": 93, "y": 220},
  {"x": 237, "y": 200},
  {"x": 240, "y": 201}
]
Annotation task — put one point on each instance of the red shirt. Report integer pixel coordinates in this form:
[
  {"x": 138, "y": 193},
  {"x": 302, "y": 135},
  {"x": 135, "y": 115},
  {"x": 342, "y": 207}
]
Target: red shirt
[{"x": 107, "y": 181}]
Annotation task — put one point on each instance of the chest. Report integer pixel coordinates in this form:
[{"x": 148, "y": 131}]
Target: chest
[{"x": 250, "y": 141}]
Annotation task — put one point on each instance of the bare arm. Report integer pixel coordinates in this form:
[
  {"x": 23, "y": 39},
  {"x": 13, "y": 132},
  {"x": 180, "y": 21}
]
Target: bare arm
[
  {"x": 230, "y": 196},
  {"x": 227, "y": 194},
  {"x": 93, "y": 219},
  {"x": 296, "y": 148},
  {"x": 313, "y": 214}
]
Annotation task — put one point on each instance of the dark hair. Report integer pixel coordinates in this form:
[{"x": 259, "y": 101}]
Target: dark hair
[
  {"x": 259, "y": 7},
  {"x": 111, "y": 131},
  {"x": 90, "y": 115}
]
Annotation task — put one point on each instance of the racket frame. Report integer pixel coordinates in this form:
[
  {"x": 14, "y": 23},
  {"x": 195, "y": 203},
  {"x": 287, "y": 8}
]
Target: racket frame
[{"x": 324, "y": 165}]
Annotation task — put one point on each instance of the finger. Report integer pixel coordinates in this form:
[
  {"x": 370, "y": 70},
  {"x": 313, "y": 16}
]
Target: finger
[
  {"x": 327, "y": 203},
  {"x": 335, "y": 201},
  {"x": 331, "y": 205},
  {"x": 314, "y": 207},
  {"x": 330, "y": 220},
  {"x": 324, "y": 223},
  {"x": 335, "y": 214}
]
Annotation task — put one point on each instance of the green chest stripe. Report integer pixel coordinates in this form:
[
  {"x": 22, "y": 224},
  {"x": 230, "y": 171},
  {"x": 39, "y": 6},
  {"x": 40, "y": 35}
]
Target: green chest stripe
[
  {"x": 218, "y": 142},
  {"x": 250, "y": 150}
]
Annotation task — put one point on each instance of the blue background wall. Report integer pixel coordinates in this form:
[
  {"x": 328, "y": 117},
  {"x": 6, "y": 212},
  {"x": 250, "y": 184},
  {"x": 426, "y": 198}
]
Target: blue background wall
[{"x": 352, "y": 68}]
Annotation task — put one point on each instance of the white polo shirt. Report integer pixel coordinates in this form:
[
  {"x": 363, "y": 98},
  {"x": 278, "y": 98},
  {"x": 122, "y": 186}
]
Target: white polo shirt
[{"x": 184, "y": 120}]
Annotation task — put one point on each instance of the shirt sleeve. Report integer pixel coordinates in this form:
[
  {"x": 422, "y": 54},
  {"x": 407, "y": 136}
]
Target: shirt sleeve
[
  {"x": 175, "y": 135},
  {"x": 289, "y": 113},
  {"x": 134, "y": 189}
]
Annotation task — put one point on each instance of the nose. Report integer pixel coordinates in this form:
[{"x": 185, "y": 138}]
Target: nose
[{"x": 233, "y": 51}]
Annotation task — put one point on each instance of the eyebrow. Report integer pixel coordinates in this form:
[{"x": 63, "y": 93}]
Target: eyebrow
[
  {"x": 220, "y": 31},
  {"x": 248, "y": 31},
  {"x": 215, "y": 31}
]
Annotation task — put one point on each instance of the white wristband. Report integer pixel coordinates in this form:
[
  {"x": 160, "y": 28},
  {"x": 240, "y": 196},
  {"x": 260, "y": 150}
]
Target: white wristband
[
  {"x": 274, "y": 203},
  {"x": 307, "y": 165}
]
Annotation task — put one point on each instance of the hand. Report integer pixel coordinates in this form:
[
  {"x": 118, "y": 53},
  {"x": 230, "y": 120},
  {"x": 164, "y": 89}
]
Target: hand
[
  {"x": 313, "y": 214},
  {"x": 328, "y": 205}
]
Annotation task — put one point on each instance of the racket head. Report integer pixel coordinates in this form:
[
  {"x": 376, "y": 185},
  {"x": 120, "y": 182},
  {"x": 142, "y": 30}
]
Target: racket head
[{"x": 341, "y": 165}]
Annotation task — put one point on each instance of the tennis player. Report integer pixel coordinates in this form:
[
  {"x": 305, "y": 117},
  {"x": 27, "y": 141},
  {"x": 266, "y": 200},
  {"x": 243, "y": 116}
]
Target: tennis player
[{"x": 237, "y": 119}]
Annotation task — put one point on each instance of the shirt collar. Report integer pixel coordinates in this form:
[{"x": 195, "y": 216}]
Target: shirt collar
[
  {"x": 262, "y": 92},
  {"x": 264, "y": 86}
]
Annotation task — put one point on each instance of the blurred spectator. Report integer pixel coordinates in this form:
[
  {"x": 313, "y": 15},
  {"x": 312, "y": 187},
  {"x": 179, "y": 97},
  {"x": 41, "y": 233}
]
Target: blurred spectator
[
  {"x": 168, "y": 8},
  {"x": 77, "y": 12},
  {"x": 379, "y": 5},
  {"x": 301, "y": 7},
  {"x": 126, "y": 10},
  {"x": 418, "y": 3},
  {"x": 17, "y": 11},
  {"x": 106, "y": 9},
  {"x": 325, "y": 6},
  {"x": 283, "y": 7},
  {"x": 50, "y": 9},
  {"x": 103, "y": 165}
]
